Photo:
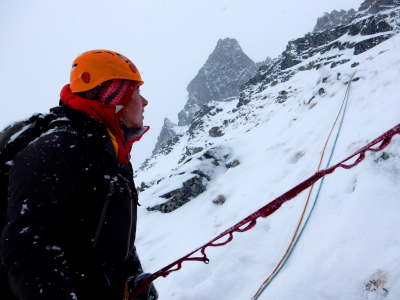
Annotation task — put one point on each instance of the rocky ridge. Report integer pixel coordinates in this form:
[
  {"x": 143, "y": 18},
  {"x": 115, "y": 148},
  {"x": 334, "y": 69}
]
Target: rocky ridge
[
  {"x": 375, "y": 6},
  {"x": 376, "y": 21},
  {"x": 335, "y": 18},
  {"x": 262, "y": 63}
]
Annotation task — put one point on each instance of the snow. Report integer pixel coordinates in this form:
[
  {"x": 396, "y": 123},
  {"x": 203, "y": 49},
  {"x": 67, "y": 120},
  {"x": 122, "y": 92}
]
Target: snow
[
  {"x": 24, "y": 209},
  {"x": 353, "y": 235},
  {"x": 14, "y": 136},
  {"x": 24, "y": 230}
]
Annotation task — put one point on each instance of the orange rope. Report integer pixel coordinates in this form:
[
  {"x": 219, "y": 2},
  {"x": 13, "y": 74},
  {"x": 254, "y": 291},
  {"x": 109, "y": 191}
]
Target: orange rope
[
  {"x": 308, "y": 198},
  {"x": 126, "y": 292}
]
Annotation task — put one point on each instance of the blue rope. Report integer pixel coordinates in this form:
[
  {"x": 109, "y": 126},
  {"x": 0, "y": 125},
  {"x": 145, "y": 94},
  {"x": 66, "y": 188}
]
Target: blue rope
[{"x": 316, "y": 197}]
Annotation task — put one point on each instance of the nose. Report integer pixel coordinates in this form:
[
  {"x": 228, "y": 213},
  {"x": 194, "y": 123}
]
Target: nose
[{"x": 144, "y": 101}]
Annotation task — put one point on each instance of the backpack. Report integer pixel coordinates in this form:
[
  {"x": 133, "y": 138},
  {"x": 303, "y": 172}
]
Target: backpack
[{"x": 13, "y": 139}]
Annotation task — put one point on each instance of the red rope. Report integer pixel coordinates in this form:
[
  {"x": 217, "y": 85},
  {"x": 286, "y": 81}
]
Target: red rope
[{"x": 269, "y": 209}]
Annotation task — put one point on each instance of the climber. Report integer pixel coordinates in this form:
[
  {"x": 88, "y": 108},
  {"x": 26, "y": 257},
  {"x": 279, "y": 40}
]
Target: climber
[{"x": 72, "y": 203}]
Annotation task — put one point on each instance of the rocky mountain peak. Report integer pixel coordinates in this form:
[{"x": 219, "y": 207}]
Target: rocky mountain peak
[
  {"x": 335, "y": 18},
  {"x": 227, "y": 45},
  {"x": 265, "y": 62},
  {"x": 221, "y": 77},
  {"x": 167, "y": 135}
]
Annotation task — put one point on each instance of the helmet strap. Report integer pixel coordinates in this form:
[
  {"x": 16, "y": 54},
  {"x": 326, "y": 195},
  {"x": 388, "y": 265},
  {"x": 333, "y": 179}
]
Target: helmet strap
[{"x": 91, "y": 94}]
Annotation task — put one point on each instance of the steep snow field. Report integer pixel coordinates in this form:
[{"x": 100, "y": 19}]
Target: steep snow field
[{"x": 353, "y": 235}]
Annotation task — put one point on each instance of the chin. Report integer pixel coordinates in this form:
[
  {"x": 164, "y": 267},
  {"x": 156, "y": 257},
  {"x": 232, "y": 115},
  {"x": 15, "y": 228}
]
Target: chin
[{"x": 140, "y": 125}]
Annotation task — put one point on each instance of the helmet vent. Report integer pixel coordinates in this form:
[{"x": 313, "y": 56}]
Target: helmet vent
[
  {"x": 97, "y": 52},
  {"x": 73, "y": 67},
  {"x": 110, "y": 53},
  {"x": 118, "y": 55},
  {"x": 127, "y": 60}
]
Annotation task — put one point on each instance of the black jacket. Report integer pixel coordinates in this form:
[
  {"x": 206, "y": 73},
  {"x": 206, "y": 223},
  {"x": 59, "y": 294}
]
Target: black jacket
[{"x": 71, "y": 218}]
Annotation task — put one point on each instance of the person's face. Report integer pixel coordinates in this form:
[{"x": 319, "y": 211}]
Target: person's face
[{"x": 132, "y": 115}]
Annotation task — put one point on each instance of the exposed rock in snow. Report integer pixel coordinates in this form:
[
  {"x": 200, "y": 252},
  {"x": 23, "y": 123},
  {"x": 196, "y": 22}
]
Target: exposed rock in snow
[
  {"x": 167, "y": 134},
  {"x": 232, "y": 164},
  {"x": 216, "y": 132},
  {"x": 335, "y": 18},
  {"x": 176, "y": 198},
  {"x": 262, "y": 63},
  {"x": 208, "y": 165},
  {"x": 219, "y": 200},
  {"x": 143, "y": 186},
  {"x": 220, "y": 79}
]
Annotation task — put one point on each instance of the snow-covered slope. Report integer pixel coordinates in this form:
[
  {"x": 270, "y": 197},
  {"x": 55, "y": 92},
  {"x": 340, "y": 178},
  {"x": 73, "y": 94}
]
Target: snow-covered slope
[{"x": 249, "y": 154}]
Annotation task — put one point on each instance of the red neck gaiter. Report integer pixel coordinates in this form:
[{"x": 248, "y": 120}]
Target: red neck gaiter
[{"x": 105, "y": 114}]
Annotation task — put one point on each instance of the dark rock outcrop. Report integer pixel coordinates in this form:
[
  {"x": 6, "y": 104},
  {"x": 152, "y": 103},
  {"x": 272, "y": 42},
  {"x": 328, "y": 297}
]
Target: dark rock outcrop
[
  {"x": 263, "y": 63},
  {"x": 189, "y": 152},
  {"x": 197, "y": 122},
  {"x": 216, "y": 132},
  {"x": 221, "y": 77},
  {"x": 282, "y": 96},
  {"x": 219, "y": 200},
  {"x": 232, "y": 164},
  {"x": 167, "y": 134},
  {"x": 211, "y": 163},
  {"x": 190, "y": 189},
  {"x": 375, "y": 6},
  {"x": 334, "y": 19},
  {"x": 143, "y": 186}
]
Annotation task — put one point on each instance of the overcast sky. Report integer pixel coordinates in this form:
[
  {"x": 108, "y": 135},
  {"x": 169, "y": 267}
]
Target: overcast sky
[{"x": 168, "y": 40}]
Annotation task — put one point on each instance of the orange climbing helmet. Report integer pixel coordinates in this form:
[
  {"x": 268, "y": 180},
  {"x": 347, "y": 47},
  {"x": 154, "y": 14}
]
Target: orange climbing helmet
[{"x": 97, "y": 66}]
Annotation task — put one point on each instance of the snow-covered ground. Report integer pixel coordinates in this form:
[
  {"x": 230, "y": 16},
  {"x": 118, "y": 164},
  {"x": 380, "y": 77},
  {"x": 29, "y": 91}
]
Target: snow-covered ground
[{"x": 353, "y": 236}]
